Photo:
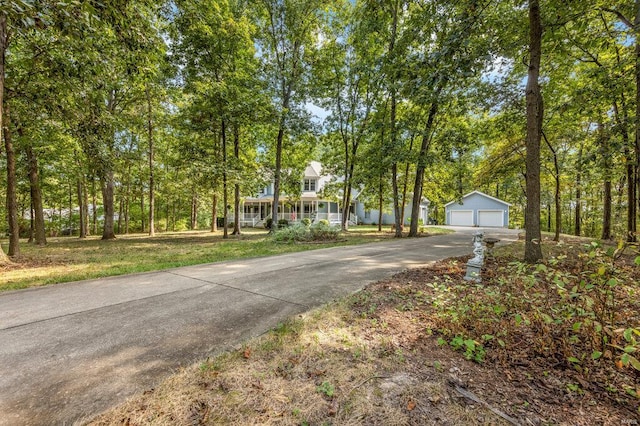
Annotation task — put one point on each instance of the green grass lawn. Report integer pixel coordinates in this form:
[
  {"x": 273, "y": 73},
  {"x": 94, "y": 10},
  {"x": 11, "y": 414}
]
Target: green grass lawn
[{"x": 66, "y": 259}]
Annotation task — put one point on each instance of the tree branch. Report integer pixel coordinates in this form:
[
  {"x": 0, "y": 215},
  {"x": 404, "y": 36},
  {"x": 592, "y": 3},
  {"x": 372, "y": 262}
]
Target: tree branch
[{"x": 620, "y": 16}]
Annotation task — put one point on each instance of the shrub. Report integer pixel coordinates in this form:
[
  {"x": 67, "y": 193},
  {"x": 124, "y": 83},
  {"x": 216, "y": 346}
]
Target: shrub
[
  {"x": 323, "y": 222},
  {"x": 306, "y": 221},
  {"x": 301, "y": 233},
  {"x": 291, "y": 234},
  {"x": 323, "y": 232},
  {"x": 283, "y": 223},
  {"x": 268, "y": 223}
]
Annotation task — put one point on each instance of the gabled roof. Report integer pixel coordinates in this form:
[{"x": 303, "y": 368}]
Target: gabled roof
[
  {"x": 314, "y": 169},
  {"x": 481, "y": 194}
]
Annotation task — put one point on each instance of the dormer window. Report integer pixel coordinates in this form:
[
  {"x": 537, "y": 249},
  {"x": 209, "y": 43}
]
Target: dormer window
[{"x": 310, "y": 185}]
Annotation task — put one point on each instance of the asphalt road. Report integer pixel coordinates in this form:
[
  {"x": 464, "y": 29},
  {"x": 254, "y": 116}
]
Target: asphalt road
[{"x": 71, "y": 351}]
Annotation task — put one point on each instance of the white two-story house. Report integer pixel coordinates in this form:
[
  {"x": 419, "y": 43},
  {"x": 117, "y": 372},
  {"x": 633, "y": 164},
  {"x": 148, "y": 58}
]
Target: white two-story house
[{"x": 310, "y": 204}]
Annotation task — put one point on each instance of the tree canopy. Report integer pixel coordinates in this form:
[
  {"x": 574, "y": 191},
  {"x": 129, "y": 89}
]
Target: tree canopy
[{"x": 146, "y": 116}]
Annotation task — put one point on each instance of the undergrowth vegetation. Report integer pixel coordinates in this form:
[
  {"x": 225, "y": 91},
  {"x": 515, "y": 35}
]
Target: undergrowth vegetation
[
  {"x": 578, "y": 310},
  {"x": 578, "y": 313},
  {"x": 302, "y": 232}
]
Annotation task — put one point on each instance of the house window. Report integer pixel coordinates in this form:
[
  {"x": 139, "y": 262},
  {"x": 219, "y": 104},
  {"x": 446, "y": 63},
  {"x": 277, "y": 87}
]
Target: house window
[
  {"x": 367, "y": 214},
  {"x": 310, "y": 185}
]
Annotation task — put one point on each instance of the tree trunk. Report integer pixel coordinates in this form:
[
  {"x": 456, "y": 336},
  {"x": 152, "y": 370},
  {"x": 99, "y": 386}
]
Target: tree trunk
[
  {"x": 393, "y": 126},
  {"x": 606, "y": 220},
  {"x": 420, "y": 168},
  {"x": 94, "y": 205},
  {"x": 225, "y": 200},
  {"x": 82, "y": 209},
  {"x": 276, "y": 177},
  {"x": 236, "y": 189},
  {"x": 32, "y": 222},
  {"x": 556, "y": 178},
  {"x": 605, "y": 152},
  {"x": 214, "y": 211},
  {"x": 3, "y": 47},
  {"x": 120, "y": 214},
  {"x": 533, "y": 248},
  {"x": 174, "y": 215},
  {"x": 152, "y": 200},
  {"x": 126, "y": 204},
  {"x": 394, "y": 169},
  {"x": 142, "y": 224},
  {"x": 346, "y": 198},
  {"x": 632, "y": 167},
  {"x": 70, "y": 215},
  {"x": 405, "y": 184},
  {"x": 380, "y": 201},
  {"x": 194, "y": 211},
  {"x": 578, "y": 212},
  {"x": 168, "y": 216},
  {"x": 85, "y": 195},
  {"x": 346, "y": 184},
  {"x": 12, "y": 200},
  {"x": 107, "y": 187},
  {"x": 36, "y": 197}
]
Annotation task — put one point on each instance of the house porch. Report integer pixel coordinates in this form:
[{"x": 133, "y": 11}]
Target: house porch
[{"x": 256, "y": 212}]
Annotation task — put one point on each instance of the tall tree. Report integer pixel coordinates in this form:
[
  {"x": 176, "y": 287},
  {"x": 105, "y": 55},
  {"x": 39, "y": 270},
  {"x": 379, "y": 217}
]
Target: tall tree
[
  {"x": 449, "y": 54},
  {"x": 290, "y": 30},
  {"x": 533, "y": 238},
  {"x": 348, "y": 76},
  {"x": 633, "y": 150}
]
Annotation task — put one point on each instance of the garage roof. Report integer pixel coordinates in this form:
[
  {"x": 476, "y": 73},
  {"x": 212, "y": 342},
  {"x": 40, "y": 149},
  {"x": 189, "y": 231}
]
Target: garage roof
[{"x": 479, "y": 193}]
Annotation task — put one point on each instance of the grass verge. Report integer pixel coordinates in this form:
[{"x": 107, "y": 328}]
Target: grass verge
[{"x": 70, "y": 259}]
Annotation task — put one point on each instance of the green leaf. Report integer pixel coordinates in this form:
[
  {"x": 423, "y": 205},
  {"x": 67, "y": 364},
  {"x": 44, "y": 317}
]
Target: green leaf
[
  {"x": 546, "y": 318},
  {"x": 470, "y": 344},
  {"x": 596, "y": 355},
  {"x": 637, "y": 261},
  {"x": 628, "y": 334},
  {"x": 573, "y": 359},
  {"x": 518, "y": 319},
  {"x": 634, "y": 362}
]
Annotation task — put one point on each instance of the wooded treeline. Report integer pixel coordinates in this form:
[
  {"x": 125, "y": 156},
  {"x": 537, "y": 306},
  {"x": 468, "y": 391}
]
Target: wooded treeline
[{"x": 140, "y": 116}]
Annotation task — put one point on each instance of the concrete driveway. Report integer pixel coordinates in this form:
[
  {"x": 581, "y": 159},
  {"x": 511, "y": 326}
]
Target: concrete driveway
[{"x": 71, "y": 351}]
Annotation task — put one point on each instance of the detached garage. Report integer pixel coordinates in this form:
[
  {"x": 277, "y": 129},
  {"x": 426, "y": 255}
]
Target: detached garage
[{"x": 478, "y": 209}]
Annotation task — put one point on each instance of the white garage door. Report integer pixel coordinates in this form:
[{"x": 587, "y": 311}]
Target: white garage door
[
  {"x": 461, "y": 218},
  {"x": 490, "y": 218}
]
